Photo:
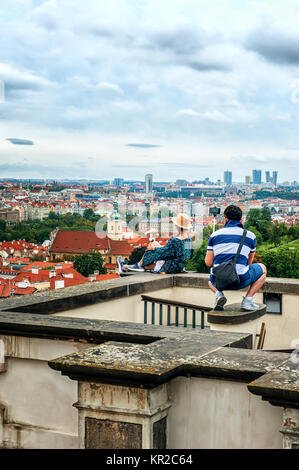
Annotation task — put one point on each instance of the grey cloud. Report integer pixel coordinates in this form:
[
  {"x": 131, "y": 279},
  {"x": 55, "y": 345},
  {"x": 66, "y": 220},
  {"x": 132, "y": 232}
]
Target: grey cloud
[
  {"x": 100, "y": 31},
  {"x": 180, "y": 41},
  {"x": 274, "y": 46},
  {"x": 143, "y": 146},
  {"x": 17, "y": 79},
  {"x": 201, "y": 66},
  {"x": 185, "y": 46},
  {"x": 20, "y": 141},
  {"x": 176, "y": 47}
]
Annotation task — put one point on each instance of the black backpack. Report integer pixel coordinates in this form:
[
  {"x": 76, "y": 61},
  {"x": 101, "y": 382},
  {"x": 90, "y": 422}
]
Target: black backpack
[{"x": 226, "y": 276}]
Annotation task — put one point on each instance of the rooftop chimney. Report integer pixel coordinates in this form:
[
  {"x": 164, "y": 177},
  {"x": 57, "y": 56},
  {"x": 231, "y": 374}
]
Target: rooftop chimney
[{"x": 59, "y": 284}]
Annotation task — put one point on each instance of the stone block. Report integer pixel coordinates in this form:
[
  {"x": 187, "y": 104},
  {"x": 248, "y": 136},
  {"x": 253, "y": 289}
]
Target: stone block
[{"x": 107, "y": 434}]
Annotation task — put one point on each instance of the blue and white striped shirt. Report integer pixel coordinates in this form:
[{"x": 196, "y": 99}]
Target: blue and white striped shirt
[{"x": 225, "y": 242}]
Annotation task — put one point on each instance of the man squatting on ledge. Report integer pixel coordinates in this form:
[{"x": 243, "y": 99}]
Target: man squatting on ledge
[{"x": 223, "y": 245}]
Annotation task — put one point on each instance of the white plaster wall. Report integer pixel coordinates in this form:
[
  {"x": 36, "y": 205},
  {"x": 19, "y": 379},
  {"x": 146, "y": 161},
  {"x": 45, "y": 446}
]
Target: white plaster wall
[
  {"x": 212, "y": 414},
  {"x": 36, "y": 395},
  {"x": 37, "y": 400},
  {"x": 281, "y": 330},
  {"x": 126, "y": 309}
]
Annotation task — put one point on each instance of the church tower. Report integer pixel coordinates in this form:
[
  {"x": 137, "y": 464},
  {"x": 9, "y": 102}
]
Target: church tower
[{"x": 115, "y": 224}]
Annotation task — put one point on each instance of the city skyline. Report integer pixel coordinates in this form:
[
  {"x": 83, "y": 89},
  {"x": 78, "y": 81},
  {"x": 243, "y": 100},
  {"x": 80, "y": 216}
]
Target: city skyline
[
  {"x": 119, "y": 88},
  {"x": 149, "y": 180}
]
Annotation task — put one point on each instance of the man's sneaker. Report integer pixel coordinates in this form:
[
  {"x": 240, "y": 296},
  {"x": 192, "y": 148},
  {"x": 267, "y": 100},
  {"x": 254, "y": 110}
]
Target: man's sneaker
[
  {"x": 248, "y": 304},
  {"x": 220, "y": 301},
  {"x": 135, "y": 267},
  {"x": 120, "y": 265}
]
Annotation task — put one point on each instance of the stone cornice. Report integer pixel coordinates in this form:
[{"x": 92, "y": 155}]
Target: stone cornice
[
  {"x": 59, "y": 300},
  {"x": 279, "y": 387}
]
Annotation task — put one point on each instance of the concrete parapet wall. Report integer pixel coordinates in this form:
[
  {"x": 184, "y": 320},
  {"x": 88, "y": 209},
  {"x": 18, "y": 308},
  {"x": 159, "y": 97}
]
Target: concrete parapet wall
[
  {"x": 36, "y": 405},
  {"x": 200, "y": 380},
  {"x": 219, "y": 414}
]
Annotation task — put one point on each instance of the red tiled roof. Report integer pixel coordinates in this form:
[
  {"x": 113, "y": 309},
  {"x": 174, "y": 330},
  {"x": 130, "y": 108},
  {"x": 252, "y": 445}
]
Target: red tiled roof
[
  {"x": 72, "y": 271},
  {"x": 17, "y": 245},
  {"x": 77, "y": 241},
  {"x": 24, "y": 291},
  {"x": 18, "y": 260},
  {"x": 4, "y": 290},
  {"x": 121, "y": 247},
  {"x": 8, "y": 270},
  {"x": 42, "y": 276},
  {"x": 105, "y": 277},
  {"x": 67, "y": 281},
  {"x": 44, "y": 265},
  {"x": 83, "y": 242}
]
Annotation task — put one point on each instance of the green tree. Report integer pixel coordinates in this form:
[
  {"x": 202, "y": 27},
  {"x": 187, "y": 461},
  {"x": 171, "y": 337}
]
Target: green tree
[
  {"x": 53, "y": 216},
  {"x": 282, "y": 262},
  {"x": 88, "y": 214},
  {"x": 261, "y": 220},
  {"x": 259, "y": 238},
  {"x": 197, "y": 262},
  {"x": 2, "y": 225},
  {"x": 137, "y": 254},
  {"x": 293, "y": 232},
  {"x": 275, "y": 234},
  {"x": 264, "y": 227},
  {"x": 88, "y": 263},
  {"x": 266, "y": 214}
]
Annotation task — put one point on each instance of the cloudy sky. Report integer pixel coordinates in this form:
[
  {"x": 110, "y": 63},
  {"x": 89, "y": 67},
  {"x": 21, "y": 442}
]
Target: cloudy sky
[{"x": 119, "y": 88}]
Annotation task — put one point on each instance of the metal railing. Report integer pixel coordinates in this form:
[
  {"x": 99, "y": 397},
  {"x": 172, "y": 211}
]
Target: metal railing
[{"x": 177, "y": 305}]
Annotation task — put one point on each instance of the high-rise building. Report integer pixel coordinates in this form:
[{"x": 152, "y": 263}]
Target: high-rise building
[
  {"x": 228, "y": 178},
  {"x": 257, "y": 176},
  {"x": 247, "y": 179},
  {"x": 268, "y": 177},
  {"x": 181, "y": 182},
  {"x": 149, "y": 183},
  {"x": 274, "y": 177},
  {"x": 118, "y": 181}
]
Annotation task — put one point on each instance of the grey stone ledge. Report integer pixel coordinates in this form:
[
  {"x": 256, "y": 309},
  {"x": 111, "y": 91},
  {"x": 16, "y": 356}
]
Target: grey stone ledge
[
  {"x": 146, "y": 365},
  {"x": 279, "y": 387},
  {"x": 232, "y": 315},
  {"x": 59, "y": 300}
]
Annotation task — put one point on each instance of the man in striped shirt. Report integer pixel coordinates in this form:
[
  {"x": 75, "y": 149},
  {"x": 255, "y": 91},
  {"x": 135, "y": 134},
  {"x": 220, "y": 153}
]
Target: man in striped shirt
[{"x": 223, "y": 245}]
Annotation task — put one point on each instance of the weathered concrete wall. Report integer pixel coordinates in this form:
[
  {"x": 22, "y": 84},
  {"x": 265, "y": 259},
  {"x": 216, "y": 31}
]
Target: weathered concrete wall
[
  {"x": 36, "y": 402},
  {"x": 212, "y": 414}
]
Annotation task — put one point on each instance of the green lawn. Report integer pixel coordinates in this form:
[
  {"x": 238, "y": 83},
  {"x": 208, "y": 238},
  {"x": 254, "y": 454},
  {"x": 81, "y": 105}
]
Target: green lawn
[{"x": 270, "y": 246}]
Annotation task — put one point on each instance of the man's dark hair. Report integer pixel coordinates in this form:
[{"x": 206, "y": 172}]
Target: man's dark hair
[{"x": 233, "y": 213}]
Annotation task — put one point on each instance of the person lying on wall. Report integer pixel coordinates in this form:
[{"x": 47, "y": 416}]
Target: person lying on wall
[{"x": 168, "y": 259}]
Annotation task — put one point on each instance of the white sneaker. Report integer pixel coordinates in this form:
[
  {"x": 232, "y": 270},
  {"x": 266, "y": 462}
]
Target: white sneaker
[
  {"x": 120, "y": 265},
  {"x": 248, "y": 304},
  {"x": 135, "y": 267},
  {"x": 220, "y": 301}
]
